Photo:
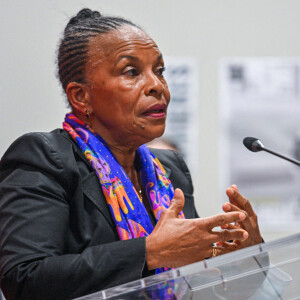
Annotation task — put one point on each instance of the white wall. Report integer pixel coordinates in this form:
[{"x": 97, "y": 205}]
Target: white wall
[{"x": 31, "y": 98}]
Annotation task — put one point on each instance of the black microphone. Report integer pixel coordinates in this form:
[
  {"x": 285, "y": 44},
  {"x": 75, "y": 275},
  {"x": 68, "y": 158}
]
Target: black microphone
[{"x": 255, "y": 145}]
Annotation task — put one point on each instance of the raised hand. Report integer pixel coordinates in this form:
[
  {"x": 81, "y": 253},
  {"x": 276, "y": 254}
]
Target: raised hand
[
  {"x": 175, "y": 242},
  {"x": 239, "y": 203}
]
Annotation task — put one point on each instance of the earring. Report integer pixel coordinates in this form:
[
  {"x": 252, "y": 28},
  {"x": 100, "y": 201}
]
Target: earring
[
  {"x": 87, "y": 114},
  {"x": 88, "y": 118}
]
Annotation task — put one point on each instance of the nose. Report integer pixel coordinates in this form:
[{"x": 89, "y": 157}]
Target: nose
[{"x": 153, "y": 85}]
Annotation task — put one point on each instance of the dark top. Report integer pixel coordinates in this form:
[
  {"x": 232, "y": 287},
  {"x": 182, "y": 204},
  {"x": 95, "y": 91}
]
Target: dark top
[{"x": 57, "y": 237}]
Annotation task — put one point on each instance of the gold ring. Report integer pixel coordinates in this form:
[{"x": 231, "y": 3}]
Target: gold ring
[{"x": 214, "y": 251}]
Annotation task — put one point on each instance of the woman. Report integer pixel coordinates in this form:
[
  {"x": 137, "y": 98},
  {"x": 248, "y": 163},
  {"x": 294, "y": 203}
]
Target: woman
[{"x": 88, "y": 206}]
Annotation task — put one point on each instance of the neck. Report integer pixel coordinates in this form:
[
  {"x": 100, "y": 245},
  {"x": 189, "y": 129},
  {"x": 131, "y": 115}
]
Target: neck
[
  {"x": 124, "y": 155},
  {"x": 126, "y": 158}
]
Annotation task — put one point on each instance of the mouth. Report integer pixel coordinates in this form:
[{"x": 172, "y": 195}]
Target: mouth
[{"x": 157, "y": 111}]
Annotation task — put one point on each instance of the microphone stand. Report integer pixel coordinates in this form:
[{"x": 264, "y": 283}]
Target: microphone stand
[{"x": 296, "y": 162}]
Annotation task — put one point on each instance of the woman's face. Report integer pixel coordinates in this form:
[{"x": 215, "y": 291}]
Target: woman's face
[{"x": 128, "y": 95}]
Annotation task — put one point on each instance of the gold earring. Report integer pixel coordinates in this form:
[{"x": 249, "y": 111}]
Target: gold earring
[
  {"x": 87, "y": 114},
  {"x": 88, "y": 118}
]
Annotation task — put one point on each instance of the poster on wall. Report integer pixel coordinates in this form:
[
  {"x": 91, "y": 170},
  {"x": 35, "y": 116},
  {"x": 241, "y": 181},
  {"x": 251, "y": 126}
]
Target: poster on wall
[
  {"x": 182, "y": 119},
  {"x": 260, "y": 97}
]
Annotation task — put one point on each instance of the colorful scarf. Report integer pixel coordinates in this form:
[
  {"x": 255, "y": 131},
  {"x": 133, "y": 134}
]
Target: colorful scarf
[{"x": 127, "y": 209}]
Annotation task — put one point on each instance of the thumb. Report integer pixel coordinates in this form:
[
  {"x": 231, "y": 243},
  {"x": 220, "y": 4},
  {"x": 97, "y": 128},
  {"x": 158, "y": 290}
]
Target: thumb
[{"x": 177, "y": 203}]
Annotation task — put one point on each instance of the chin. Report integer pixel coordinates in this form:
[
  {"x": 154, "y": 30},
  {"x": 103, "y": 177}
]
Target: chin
[{"x": 154, "y": 133}]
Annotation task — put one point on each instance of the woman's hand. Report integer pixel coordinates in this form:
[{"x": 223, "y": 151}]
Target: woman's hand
[
  {"x": 239, "y": 203},
  {"x": 175, "y": 242}
]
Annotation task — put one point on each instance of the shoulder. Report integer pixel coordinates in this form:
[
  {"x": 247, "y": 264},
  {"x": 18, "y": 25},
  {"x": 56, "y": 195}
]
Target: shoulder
[
  {"x": 40, "y": 149},
  {"x": 42, "y": 140},
  {"x": 40, "y": 157}
]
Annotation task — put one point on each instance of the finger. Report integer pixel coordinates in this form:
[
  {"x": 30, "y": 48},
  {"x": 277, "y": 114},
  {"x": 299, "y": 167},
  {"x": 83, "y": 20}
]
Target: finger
[
  {"x": 222, "y": 219},
  {"x": 216, "y": 251},
  {"x": 234, "y": 187},
  {"x": 227, "y": 245},
  {"x": 231, "y": 226},
  {"x": 176, "y": 204},
  {"x": 239, "y": 200},
  {"x": 227, "y": 207},
  {"x": 232, "y": 234}
]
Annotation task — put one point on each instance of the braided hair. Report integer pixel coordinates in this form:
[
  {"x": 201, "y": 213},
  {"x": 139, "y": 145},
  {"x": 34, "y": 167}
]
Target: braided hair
[{"x": 73, "y": 48}]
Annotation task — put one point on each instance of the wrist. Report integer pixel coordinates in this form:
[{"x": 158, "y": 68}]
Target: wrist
[{"x": 151, "y": 254}]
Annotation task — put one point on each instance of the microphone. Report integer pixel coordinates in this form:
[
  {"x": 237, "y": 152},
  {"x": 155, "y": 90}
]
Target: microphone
[{"x": 255, "y": 145}]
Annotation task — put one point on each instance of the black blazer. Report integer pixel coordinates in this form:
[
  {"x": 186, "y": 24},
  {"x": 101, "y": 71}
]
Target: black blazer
[{"x": 57, "y": 236}]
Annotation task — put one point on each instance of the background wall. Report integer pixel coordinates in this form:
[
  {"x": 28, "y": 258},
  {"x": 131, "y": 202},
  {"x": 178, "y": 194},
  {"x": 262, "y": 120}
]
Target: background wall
[{"x": 31, "y": 98}]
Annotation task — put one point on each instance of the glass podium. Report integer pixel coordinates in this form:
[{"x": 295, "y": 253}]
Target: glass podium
[{"x": 266, "y": 271}]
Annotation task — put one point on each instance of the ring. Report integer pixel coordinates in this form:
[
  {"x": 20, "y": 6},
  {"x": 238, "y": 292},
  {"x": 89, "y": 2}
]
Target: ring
[{"x": 214, "y": 252}]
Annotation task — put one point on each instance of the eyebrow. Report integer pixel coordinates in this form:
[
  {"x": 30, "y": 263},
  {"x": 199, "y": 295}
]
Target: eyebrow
[
  {"x": 134, "y": 58},
  {"x": 130, "y": 57}
]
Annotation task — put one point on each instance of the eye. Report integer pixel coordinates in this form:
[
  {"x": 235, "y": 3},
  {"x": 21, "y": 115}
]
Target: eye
[
  {"x": 160, "y": 71},
  {"x": 130, "y": 72}
]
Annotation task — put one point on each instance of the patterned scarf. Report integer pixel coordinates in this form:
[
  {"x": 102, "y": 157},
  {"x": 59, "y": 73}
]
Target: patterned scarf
[{"x": 127, "y": 209}]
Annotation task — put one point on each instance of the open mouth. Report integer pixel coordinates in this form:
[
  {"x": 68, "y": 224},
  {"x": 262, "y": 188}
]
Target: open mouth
[{"x": 156, "y": 111}]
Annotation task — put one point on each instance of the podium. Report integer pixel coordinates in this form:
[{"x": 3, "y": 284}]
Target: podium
[{"x": 265, "y": 271}]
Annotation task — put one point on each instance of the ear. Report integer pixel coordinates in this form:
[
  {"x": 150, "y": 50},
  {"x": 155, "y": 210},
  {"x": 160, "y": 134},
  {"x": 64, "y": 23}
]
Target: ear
[{"x": 78, "y": 97}]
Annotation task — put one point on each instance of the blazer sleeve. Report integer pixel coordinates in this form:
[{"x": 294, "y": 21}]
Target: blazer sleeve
[{"x": 35, "y": 189}]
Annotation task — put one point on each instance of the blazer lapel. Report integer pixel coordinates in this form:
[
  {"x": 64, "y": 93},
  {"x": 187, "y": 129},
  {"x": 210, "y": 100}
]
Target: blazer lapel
[
  {"x": 92, "y": 189},
  {"x": 90, "y": 184},
  {"x": 168, "y": 171}
]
